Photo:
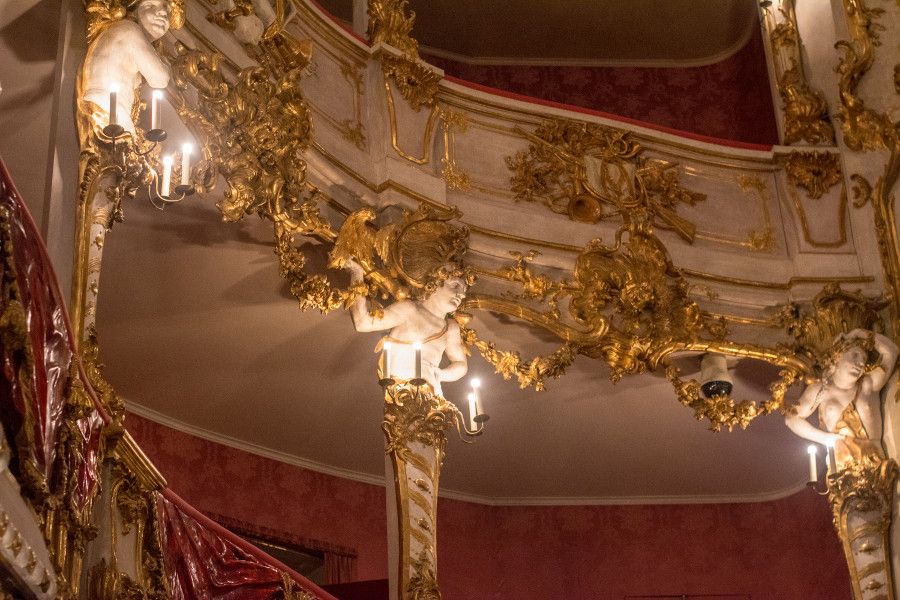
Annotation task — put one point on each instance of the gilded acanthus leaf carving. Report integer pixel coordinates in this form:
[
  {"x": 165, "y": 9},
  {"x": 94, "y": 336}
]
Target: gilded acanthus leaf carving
[
  {"x": 625, "y": 304},
  {"x": 723, "y": 410},
  {"x": 508, "y": 364},
  {"x": 863, "y": 128},
  {"x": 415, "y": 81},
  {"x": 423, "y": 583},
  {"x": 816, "y": 172},
  {"x": 416, "y": 415},
  {"x": 832, "y": 312},
  {"x": 865, "y": 485},
  {"x": 389, "y": 23},
  {"x": 591, "y": 172},
  {"x": 805, "y": 109}
]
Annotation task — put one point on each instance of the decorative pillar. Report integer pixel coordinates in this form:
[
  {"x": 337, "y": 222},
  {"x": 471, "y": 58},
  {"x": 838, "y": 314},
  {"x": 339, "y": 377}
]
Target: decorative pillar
[
  {"x": 415, "y": 421},
  {"x": 861, "y": 497}
]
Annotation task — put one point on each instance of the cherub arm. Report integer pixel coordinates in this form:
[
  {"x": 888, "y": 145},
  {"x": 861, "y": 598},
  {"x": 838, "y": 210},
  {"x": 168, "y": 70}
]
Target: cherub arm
[
  {"x": 150, "y": 65},
  {"x": 797, "y": 422},
  {"x": 887, "y": 351},
  {"x": 394, "y": 315},
  {"x": 456, "y": 352}
]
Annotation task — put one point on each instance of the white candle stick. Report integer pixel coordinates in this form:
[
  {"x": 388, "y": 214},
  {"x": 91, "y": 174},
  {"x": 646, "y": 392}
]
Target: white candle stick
[
  {"x": 387, "y": 360},
  {"x": 154, "y": 109},
  {"x": 417, "y": 346},
  {"x": 167, "y": 174},
  {"x": 813, "y": 469},
  {"x": 473, "y": 410},
  {"x": 476, "y": 392},
  {"x": 113, "y": 103},
  {"x": 832, "y": 464},
  {"x": 186, "y": 150}
]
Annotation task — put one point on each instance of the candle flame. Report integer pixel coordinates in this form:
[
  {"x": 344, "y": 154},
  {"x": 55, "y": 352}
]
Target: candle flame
[
  {"x": 114, "y": 88},
  {"x": 811, "y": 449},
  {"x": 167, "y": 160},
  {"x": 187, "y": 148},
  {"x": 417, "y": 345},
  {"x": 476, "y": 383},
  {"x": 157, "y": 94}
]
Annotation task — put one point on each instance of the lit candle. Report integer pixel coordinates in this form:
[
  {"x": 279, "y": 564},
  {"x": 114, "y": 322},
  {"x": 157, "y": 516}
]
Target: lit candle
[
  {"x": 476, "y": 392},
  {"x": 813, "y": 470},
  {"x": 387, "y": 360},
  {"x": 832, "y": 464},
  {"x": 113, "y": 101},
  {"x": 186, "y": 150},
  {"x": 154, "y": 109},
  {"x": 418, "y": 348},
  {"x": 473, "y": 410},
  {"x": 167, "y": 174}
]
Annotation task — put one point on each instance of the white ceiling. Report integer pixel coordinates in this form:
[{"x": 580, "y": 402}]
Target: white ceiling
[{"x": 196, "y": 325}]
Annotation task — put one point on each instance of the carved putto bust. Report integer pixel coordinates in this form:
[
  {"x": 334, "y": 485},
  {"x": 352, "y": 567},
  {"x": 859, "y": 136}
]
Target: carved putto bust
[
  {"x": 121, "y": 54},
  {"x": 426, "y": 320},
  {"x": 848, "y": 397}
]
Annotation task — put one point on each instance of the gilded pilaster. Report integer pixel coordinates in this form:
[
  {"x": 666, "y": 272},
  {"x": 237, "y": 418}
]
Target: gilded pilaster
[
  {"x": 415, "y": 422},
  {"x": 861, "y": 496}
]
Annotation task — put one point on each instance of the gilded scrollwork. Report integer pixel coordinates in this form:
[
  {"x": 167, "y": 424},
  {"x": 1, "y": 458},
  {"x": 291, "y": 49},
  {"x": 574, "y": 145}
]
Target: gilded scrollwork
[
  {"x": 455, "y": 178},
  {"x": 389, "y": 23},
  {"x": 509, "y": 364},
  {"x": 863, "y": 127},
  {"x": 590, "y": 172},
  {"x": 416, "y": 82},
  {"x": 805, "y": 109},
  {"x": 861, "y": 498},
  {"x": 423, "y": 583},
  {"x": 722, "y": 410},
  {"x": 416, "y": 415},
  {"x": 814, "y": 171},
  {"x": 832, "y": 312}
]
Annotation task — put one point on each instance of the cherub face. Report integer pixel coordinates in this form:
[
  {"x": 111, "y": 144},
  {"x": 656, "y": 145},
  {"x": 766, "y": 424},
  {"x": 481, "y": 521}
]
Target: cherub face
[
  {"x": 851, "y": 365},
  {"x": 153, "y": 16},
  {"x": 450, "y": 295}
]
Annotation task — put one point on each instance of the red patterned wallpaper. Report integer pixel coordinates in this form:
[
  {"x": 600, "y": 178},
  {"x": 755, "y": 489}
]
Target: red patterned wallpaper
[
  {"x": 781, "y": 550},
  {"x": 729, "y": 99},
  {"x": 220, "y": 480}
]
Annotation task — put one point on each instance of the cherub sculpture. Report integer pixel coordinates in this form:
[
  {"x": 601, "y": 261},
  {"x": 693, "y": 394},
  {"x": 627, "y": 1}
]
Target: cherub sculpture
[
  {"x": 848, "y": 397},
  {"x": 121, "y": 54},
  {"x": 425, "y": 320}
]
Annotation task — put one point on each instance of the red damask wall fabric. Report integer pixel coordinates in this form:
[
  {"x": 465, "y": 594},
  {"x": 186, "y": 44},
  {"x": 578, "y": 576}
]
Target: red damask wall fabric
[
  {"x": 730, "y": 99},
  {"x": 219, "y": 480},
  {"x": 780, "y": 550}
]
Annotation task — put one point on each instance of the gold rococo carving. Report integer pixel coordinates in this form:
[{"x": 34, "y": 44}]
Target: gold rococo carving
[
  {"x": 814, "y": 171},
  {"x": 591, "y": 172},
  {"x": 805, "y": 109},
  {"x": 863, "y": 128}
]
